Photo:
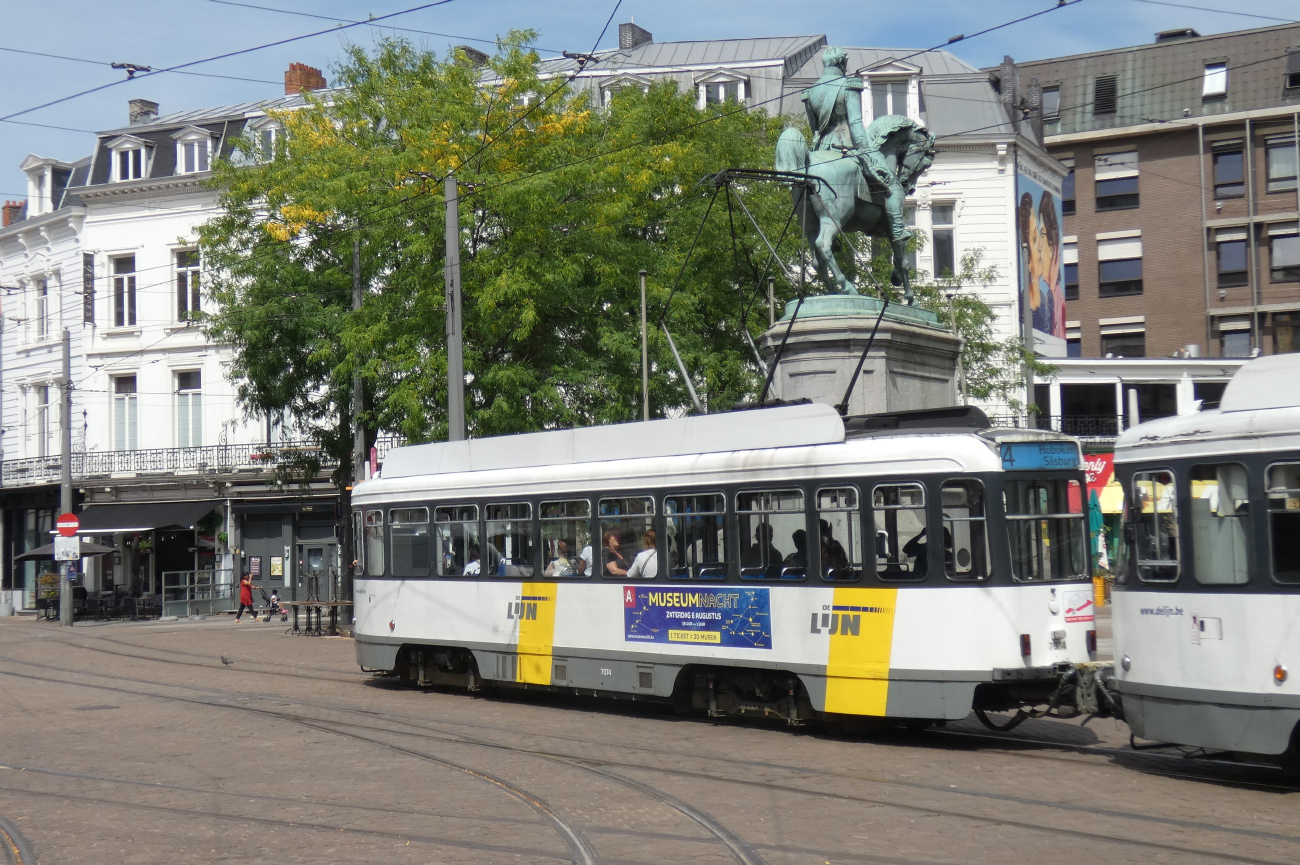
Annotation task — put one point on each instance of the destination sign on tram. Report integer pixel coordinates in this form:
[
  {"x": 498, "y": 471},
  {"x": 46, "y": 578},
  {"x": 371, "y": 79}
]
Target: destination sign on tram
[{"x": 1031, "y": 456}]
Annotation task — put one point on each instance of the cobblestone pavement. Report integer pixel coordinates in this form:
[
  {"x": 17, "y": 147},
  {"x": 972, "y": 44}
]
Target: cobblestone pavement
[{"x": 134, "y": 743}]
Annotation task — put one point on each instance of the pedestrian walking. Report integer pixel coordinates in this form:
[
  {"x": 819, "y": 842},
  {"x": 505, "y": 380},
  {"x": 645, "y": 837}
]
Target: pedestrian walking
[{"x": 245, "y": 596}]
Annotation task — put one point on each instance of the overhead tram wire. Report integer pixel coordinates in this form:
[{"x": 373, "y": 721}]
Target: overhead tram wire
[
  {"x": 1219, "y": 11},
  {"x": 110, "y": 64},
  {"x": 181, "y": 66}
]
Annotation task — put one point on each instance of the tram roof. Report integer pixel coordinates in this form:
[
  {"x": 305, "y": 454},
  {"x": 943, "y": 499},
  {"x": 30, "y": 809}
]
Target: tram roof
[
  {"x": 778, "y": 427},
  {"x": 1260, "y": 410}
]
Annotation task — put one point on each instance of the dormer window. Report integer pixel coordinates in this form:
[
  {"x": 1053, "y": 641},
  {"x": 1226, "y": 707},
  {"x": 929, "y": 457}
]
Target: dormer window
[
  {"x": 891, "y": 87},
  {"x": 267, "y": 136},
  {"x": 130, "y": 158},
  {"x": 721, "y": 87},
  {"x": 623, "y": 82},
  {"x": 193, "y": 150}
]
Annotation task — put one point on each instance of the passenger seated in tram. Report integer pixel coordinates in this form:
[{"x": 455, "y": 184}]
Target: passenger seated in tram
[
  {"x": 799, "y": 558},
  {"x": 762, "y": 560},
  {"x": 615, "y": 564},
  {"x": 560, "y": 566},
  {"x": 472, "y": 567},
  {"x": 919, "y": 548},
  {"x": 582, "y": 564},
  {"x": 834, "y": 557},
  {"x": 646, "y": 564}
]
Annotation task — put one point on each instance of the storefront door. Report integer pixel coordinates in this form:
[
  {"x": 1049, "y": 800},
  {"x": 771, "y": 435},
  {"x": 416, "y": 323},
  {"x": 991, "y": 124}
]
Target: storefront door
[{"x": 317, "y": 569}]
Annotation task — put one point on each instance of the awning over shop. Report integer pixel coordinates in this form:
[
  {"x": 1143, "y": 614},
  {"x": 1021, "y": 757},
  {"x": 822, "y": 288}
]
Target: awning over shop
[{"x": 106, "y": 519}]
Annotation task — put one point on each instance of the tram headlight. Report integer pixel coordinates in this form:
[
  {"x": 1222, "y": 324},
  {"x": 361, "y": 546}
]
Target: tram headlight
[
  {"x": 1279, "y": 674},
  {"x": 1126, "y": 663}
]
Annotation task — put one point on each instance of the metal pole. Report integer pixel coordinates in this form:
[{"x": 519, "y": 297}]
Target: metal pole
[
  {"x": 645, "y": 358},
  {"x": 65, "y": 486},
  {"x": 771, "y": 301},
  {"x": 961, "y": 372},
  {"x": 681, "y": 368},
  {"x": 358, "y": 388},
  {"x": 455, "y": 352}
]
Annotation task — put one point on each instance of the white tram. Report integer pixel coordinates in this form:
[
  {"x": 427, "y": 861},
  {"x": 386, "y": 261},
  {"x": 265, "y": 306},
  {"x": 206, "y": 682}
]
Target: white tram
[
  {"x": 1207, "y": 605},
  {"x": 773, "y": 561}
]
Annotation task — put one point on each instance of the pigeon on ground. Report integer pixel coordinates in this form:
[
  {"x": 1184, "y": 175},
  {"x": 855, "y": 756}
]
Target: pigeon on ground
[{"x": 226, "y": 661}]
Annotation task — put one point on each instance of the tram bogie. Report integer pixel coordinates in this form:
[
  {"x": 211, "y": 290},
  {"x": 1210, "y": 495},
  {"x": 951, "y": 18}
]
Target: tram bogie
[{"x": 759, "y": 564}]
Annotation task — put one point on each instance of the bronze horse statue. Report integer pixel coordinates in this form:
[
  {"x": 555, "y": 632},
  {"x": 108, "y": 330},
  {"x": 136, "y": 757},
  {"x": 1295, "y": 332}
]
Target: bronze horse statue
[{"x": 846, "y": 196}]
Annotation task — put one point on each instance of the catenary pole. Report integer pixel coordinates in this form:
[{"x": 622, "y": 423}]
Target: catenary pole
[
  {"x": 358, "y": 388},
  {"x": 645, "y": 355},
  {"x": 455, "y": 351},
  {"x": 65, "y": 475}
]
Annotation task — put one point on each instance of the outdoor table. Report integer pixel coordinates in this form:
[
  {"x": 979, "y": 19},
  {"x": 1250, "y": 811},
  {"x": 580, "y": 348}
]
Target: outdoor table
[{"x": 316, "y": 608}]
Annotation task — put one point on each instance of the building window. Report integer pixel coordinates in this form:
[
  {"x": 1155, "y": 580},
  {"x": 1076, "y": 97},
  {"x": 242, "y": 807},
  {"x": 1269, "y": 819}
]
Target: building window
[
  {"x": 193, "y": 154},
  {"x": 43, "y": 420},
  {"x": 129, "y": 164},
  {"x": 1117, "y": 180},
  {"x": 1051, "y": 103},
  {"x": 1232, "y": 263},
  {"x": 1292, "y": 76},
  {"x": 1119, "y": 266},
  {"x": 1280, "y": 163},
  {"x": 1131, "y": 344},
  {"x": 1073, "y": 346},
  {"x": 718, "y": 92},
  {"x": 942, "y": 221},
  {"x": 1284, "y": 253},
  {"x": 124, "y": 291},
  {"x": 1070, "y": 263},
  {"x": 1215, "y": 85},
  {"x": 1286, "y": 332},
  {"x": 1229, "y": 173},
  {"x": 888, "y": 97},
  {"x": 1105, "y": 95},
  {"x": 1235, "y": 342},
  {"x": 187, "y": 285},
  {"x": 41, "y": 313},
  {"x": 125, "y": 427},
  {"x": 1067, "y": 189},
  {"x": 189, "y": 409}
]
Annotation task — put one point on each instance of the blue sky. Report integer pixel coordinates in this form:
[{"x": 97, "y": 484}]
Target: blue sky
[{"x": 156, "y": 33}]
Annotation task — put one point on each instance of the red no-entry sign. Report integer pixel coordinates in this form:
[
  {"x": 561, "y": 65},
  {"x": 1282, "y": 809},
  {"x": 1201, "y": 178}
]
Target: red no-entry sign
[{"x": 67, "y": 525}]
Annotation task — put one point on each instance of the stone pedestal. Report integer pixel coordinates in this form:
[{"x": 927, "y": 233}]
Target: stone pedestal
[{"x": 912, "y": 363}]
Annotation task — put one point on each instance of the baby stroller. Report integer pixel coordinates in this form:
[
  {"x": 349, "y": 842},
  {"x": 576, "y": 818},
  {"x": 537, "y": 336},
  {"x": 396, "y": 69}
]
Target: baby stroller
[{"x": 271, "y": 606}]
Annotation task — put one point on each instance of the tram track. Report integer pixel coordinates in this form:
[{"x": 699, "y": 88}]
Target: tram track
[{"x": 421, "y": 728}]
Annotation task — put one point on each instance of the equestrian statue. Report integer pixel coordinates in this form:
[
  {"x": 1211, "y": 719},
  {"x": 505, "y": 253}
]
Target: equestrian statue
[{"x": 862, "y": 175}]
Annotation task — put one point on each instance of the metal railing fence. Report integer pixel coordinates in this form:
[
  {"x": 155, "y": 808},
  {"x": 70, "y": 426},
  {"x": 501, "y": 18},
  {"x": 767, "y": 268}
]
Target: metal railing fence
[{"x": 197, "y": 593}]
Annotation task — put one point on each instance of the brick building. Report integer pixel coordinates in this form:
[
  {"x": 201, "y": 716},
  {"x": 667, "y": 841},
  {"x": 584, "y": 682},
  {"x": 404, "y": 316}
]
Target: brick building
[{"x": 1182, "y": 209}]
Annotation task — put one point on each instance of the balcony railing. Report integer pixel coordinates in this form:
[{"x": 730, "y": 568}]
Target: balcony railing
[
  {"x": 207, "y": 460},
  {"x": 1106, "y": 426}
]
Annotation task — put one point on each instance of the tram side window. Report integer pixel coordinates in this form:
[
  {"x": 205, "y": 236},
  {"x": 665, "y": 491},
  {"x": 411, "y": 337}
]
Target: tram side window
[
  {"x": 1220, "y": 524},
  {"x": 697, "y": 544},
  {"x": 963, "y": 521},
  {"x": 566, "y": 537},
  {"x": 1284, "y": 521},
  {"x": 374, "y": 543},
  {"x": 839, "y": 521},
  {"x": 1155, "y": 526},
  {"x": 625, "y": 524},
  {"x": 898, "y": 524},
  {"x": 510, "y": 544},
  {"x": 459, "y": 552},
  {"x": 358, "y": 535},
  {"x": 773, "y": 535},
  {"x": 1046, "y": 529},
  {"x": 408, "y": 532}
]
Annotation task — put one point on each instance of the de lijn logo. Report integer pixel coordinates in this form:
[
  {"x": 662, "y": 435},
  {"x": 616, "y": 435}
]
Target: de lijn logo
[
  {"x": 525, "y": 608},
  {"x": 842, "y": 619}
]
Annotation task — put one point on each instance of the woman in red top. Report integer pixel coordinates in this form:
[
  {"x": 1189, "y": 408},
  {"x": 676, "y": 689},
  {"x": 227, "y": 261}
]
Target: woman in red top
[{"x": 245, "y": 596}]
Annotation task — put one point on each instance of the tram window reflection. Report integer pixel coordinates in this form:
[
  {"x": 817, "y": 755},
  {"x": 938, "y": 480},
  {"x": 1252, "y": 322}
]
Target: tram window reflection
[
  {"x": 1284, "y": 521},
  {"x": 1220, "y": 524},
  {"x": 1154, "y": 514},
  {"x": 374, "y": 543},
  {"x": 839, "y": 520},
  {"x": 623, "y": 523},
  {"x": 408, "y": 532},
  {"x": 963, "y": 521},
  {"x": 510, "y": 546},
  {"x": 459, "y": 552},
  {"x": 1046, "y": 529},
  {"x": 566, "y": 537},
  {"x": 899, "y": 526},
  {"x": 697, "y": 543},
  {"x": 771, "y": 523}
]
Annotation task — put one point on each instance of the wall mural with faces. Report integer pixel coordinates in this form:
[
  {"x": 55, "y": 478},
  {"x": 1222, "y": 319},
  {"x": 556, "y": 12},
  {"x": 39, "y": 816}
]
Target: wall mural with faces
[{"x": 1042, "y": 272}]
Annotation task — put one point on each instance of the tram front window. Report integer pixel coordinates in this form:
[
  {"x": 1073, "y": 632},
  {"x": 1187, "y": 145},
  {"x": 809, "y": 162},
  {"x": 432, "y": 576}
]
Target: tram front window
[
  {"x": 1220, "y": 523},
  {"x": 458, "y": 546},
  {"x": 1046, "y": 529},
  {"x": 898, "y": 521},
  {"x": 773, "y": 535},
  {"x": 1284, "y": 521},
  {"x": 1154, "y": 517},
  {"x": 510, "y": 550},
  {"x": 697, "y": 544}
]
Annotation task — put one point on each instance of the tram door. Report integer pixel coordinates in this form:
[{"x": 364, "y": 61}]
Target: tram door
[{"x": 317, "y": 570}]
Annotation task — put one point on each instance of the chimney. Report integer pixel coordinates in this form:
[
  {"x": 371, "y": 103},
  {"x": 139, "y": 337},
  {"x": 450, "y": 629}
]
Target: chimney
[
  {"x": 141, "y": 111},
  {"x": 13, "y": 212},
  {"x": 299, "y": 77},
  {"x": 1009, "y": 90},
  {"x": 630, "y": 36},
  {"x": 472, "y": 56},
  {"x": 1175, "y": 35}
]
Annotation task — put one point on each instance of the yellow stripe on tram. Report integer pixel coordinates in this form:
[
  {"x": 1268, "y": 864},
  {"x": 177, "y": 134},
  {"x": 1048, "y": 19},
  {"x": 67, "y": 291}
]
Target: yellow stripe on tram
[
  {"x": 536, "y": 632},
  {"x": 857, "y": 665}
]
